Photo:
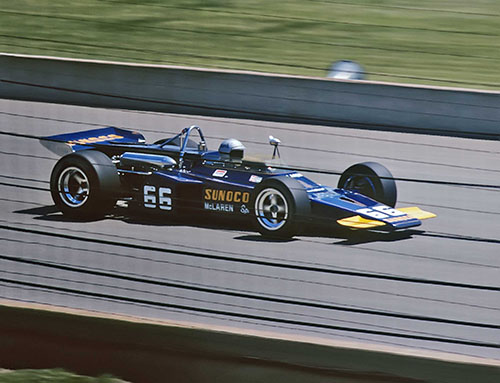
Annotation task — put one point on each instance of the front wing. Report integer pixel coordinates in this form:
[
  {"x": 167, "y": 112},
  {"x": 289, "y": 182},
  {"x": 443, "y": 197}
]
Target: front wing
[
  {"x": 411, "y": 214},
  {"x": 354, "y": 210}
]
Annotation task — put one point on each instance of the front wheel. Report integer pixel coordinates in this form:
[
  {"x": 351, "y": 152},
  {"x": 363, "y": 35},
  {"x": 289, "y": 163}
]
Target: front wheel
[
  {"x": 281, "y": 205},
  {"x": 372, "y": 180},
  {"x": 84, "y": 184}
]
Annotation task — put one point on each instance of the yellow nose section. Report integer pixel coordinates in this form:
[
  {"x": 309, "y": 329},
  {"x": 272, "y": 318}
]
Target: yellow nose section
[
  {"x": 357, "y": 222},
  {"x": 416, "y": 212}
]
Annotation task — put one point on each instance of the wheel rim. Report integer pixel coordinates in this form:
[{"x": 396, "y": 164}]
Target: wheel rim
[
  {"x": 73, "y": 186},
  {"x": 360, "y": 184},
  {"x": 271, "y": 209}
]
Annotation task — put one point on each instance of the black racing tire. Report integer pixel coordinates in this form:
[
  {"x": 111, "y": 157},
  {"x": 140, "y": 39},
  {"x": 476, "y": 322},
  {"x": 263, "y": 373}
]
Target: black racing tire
[
  {"x": 85, "y": 184},
  {"x": 281, "y": 207},
  {"x": 372, "y": 180}
]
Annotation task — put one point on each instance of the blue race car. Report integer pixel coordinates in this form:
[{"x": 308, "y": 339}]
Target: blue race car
[{"x": 180, "y": 176}]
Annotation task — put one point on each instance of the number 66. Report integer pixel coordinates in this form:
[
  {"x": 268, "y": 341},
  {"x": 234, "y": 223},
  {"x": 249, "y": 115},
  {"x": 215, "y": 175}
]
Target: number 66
[{"x": 164, "y": 198}]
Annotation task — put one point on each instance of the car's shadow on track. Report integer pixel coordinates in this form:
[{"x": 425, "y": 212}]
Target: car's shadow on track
[
  {"x": 52, "y": 214},
  {"x": 363, "y": 237},
  {"x": 45, "y": 213},
  {"x": 341, "y": 235}
]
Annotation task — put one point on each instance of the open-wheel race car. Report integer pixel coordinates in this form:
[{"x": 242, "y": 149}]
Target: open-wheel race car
[{"x": 179, "y": 175}]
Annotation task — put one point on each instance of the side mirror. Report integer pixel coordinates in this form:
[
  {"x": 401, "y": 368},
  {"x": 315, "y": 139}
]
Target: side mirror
[
  {"x": 273, "y": 141},
  {"x": 202, "y": 146}
]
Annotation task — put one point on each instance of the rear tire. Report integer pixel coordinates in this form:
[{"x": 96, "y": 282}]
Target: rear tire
[
  {"x": 281, "y": 206},
  {"x": 372, "y": 180},
  {"x": 85, "y": 184}
]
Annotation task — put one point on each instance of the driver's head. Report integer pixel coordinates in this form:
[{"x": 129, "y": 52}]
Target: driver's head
[{"x": 232, "y": 148}]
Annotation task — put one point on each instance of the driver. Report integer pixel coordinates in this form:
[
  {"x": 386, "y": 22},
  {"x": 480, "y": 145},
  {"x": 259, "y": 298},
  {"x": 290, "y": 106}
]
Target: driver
[{"x": 231, "y": 149}]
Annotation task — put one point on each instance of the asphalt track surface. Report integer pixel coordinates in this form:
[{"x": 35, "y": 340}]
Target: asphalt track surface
[{"x": 433, "y": 288}]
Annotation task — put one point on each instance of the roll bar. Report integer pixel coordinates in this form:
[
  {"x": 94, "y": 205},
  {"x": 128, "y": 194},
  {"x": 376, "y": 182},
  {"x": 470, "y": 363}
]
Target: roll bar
[{"x": 184, "y": 137}]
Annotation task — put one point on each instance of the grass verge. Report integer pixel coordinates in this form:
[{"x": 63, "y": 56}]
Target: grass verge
[
  {"x": 435, "y": 42},
  {"x": 51, "y": 376}
]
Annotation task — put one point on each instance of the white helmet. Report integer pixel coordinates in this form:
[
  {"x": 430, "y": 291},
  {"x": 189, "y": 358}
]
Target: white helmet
[{"x": 233, "y": 147}]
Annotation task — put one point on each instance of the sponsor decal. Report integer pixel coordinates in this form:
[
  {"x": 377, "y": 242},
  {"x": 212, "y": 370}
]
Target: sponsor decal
[
  {"x": 323, "y": 195},
  {"x": 296, "y": 175},
  {"x": 221, "y": 195},
  {"x": 214, "y": 206},
  {"x": 255, "y": 179},
  {"x": 91, "y": 140},
  {"x": 316, "y": 190},
  {"x": 244, "y": 209},
  {"x": 219, "y": 173}
]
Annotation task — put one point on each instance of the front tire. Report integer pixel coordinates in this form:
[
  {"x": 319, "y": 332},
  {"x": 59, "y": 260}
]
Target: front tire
[
  {"x": 372, "y": 180},
  {"x": 84, "y": 185},
  {"x": 281, "y": 205}
]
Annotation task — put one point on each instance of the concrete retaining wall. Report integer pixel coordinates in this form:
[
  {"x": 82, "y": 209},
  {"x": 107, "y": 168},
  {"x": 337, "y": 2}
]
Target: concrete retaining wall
[
  {"x": 145, "y": 352},
  {"x": 251, "y": 95}
]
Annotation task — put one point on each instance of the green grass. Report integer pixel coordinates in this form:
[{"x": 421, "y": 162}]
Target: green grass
[
  {"x": 435, "y": 42},
  {"x": 50, "y": 376}
]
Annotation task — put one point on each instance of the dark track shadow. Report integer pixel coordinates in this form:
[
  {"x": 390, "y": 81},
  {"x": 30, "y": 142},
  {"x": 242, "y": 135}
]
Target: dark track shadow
[
  {"x": 42, "y": 211},
  {"x": 260, "y": 238},
  {"x": 50, "y": 213},
  {"x": 363, "y": 237},
  {"x": 458, "y": 237},
  {"x": 343, "y": 236}
]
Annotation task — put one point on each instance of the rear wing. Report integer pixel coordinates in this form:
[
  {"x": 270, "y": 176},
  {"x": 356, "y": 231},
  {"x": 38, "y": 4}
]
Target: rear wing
[{"x": 63, "y": 144}]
